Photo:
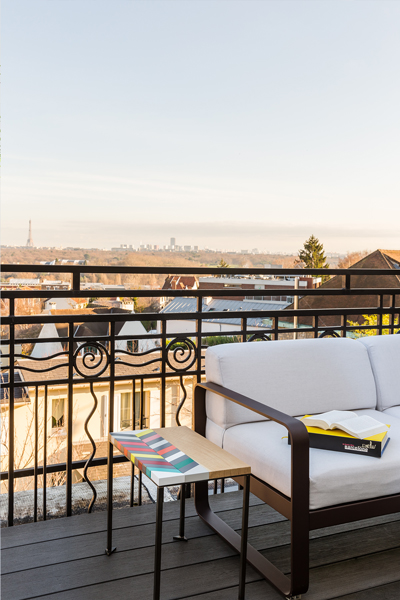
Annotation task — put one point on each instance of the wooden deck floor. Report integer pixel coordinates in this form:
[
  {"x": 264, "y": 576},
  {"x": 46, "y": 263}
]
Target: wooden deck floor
[{"x": 64, "y": 559}]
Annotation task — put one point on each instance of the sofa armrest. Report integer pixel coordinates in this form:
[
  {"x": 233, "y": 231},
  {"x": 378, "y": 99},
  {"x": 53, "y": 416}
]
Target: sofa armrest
[{"x": 297, "y": 430}]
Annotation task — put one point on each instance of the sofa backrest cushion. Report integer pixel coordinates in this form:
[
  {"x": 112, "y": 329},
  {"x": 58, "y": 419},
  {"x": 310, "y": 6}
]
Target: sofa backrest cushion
[
  {"x": 296, "y": 377},
  {"x": 384, "y": 354}
]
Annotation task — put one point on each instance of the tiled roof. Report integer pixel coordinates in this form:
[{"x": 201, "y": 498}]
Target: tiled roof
[
  {"x": 83, "y": 329},
  {"x": 179, "y": 282},
  {"x": 190, "y": 305},
  {"x": 392, "y": 257},
  {"x": 89, "y": 311},
  {"x": 395, "y": 254}
]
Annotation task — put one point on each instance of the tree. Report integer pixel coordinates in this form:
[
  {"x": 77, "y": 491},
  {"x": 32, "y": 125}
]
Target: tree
[
  {"x": 371, "y": 321},
  {"x": 312, "y": 255},
  {"x": 222, "y": 264},
  {"x": 351, "y": 258},
  {"x": 215, "y": 340}
]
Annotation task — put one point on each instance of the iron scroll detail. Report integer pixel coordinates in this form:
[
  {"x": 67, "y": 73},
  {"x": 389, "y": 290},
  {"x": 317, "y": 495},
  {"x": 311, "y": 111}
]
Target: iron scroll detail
[
  {"x": 90, "y": 357},
  {"x": 91, "y": 457},
  {"x": 259, "y": 337},
  {"x": 329, "y": 333},
  {"x": 182, "y": 402},
  {"x": 183, "y": 354},
  {"x": 91, "y": 361}
]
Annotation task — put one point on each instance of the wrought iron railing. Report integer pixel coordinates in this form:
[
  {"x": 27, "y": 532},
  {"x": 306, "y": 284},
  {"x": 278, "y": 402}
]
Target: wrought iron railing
[{"x": 98, "y": 363}]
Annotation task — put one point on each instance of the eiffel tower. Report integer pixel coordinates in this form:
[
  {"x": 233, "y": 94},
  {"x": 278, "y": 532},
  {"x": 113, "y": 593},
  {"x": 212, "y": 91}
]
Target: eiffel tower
[{"x": 29, "y": 242}]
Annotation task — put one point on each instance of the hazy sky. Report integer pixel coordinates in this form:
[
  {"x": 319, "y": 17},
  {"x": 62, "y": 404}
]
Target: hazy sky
[{"x": 232, "y": 124}]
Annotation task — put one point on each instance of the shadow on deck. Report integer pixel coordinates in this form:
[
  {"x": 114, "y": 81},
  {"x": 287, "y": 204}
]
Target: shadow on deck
[{"x": 64, "y": 558}]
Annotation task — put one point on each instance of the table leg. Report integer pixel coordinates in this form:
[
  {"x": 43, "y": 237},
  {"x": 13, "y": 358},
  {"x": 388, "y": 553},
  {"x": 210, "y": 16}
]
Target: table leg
[
  {"x": 243, "y": 549},
  {"x": 181, "y": 537},
  {"x": 109, "y": 549},
  {"x": 158, "y": 543}
]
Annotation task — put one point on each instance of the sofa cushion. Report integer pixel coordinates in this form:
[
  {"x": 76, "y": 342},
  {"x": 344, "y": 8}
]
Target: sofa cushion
[
  {"x": 384, "y": 354},
  {"x": 393, "y": 410},
  {"x": 335, "y": 477},
  {"x": 294, "y": 376}
]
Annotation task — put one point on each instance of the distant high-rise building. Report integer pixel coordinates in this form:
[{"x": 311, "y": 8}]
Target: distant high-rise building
[
  {"x": 172, "y": 244},
  {"x": 29, "y": 242}
]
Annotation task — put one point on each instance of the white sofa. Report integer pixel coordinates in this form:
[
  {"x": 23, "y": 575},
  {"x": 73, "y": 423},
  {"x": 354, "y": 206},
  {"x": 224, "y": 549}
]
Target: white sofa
[{"x": 295, "y": 378}]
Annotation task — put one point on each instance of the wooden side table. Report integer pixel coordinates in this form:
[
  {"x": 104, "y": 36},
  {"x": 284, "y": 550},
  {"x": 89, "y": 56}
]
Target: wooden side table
[{"x": 176, "y": 456}]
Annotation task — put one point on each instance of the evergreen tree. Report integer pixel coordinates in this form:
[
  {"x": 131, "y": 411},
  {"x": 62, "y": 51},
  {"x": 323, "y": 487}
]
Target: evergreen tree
[
  {"x": 222, "y": 264},
  {"x": 312, "y": 254}
]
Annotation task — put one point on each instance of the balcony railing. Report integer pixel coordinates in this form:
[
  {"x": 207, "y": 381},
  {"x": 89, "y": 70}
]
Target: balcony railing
[{"x": 59, "y": 404}]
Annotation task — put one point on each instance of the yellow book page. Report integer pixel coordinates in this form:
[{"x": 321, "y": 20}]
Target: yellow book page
[{"x": 340, "y": 433}]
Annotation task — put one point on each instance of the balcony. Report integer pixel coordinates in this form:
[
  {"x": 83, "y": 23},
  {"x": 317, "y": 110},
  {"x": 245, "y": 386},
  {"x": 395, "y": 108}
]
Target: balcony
[{"x": 90, "y": 372}]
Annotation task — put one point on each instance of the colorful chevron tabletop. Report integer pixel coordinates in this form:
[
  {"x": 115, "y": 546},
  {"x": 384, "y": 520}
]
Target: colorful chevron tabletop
[{"x": 157, "y": 458}]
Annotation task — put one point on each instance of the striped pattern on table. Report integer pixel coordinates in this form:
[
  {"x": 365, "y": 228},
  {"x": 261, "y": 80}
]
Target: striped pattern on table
[{"x": 157, "y": 458}]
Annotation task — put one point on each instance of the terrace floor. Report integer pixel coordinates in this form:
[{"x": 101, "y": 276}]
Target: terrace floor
[{"x": 64, "y": 558}]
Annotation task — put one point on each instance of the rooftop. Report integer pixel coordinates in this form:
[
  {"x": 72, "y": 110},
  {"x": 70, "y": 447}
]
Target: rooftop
[{"x": 188, "y": 305}]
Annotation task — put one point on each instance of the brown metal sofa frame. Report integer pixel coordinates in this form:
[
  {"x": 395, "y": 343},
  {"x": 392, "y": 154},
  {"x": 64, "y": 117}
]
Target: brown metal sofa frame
[{"x": 296, "y": 508}]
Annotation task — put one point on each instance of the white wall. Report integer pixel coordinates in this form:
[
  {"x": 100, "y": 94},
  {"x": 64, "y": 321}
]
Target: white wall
[
  {"x": 133, "y": 329},
  {"x": 46, "y": 349}
]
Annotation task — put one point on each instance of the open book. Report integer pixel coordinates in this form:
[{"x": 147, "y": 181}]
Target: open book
[{"x": 348, "y": 421}]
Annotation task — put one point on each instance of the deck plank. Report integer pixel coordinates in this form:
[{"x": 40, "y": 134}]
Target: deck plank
[
  {"x": 175, "y": 583},
  {"x": 350, "y": 561},
  {"x": 215, "y": 580},
  {"x": 358, "y": 574},
  {"x": 390, "y": 591},
  {"x": 63, "y": 527},
  {"x": 203, "y": 552},
  {"x": 266, "y": 530},
  {"x": 342, "y": 546},
  {"x": 138, "y": 536}
]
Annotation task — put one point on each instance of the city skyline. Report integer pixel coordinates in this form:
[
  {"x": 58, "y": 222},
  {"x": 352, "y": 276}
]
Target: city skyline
[
  {"x": 171, "y": 247},
  {"x": 226, "y": 124}
]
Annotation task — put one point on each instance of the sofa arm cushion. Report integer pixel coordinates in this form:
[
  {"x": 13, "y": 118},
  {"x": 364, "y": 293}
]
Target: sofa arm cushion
[{"x": 384, "y": 354}]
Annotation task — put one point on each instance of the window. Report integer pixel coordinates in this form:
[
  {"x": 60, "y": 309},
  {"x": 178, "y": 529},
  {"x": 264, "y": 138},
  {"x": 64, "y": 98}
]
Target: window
[
  {"x": 146, "y": 410},
  {"x": 126, "y": 416},
  {"x": 133, "y": 346},
  {"x": 88, "y": 349},
  {"x": 104, "y": 415},
  {"x": 58, "y": 411},
  {"x": 123, "y": 411},
  {"x": 175, "y": 400}
]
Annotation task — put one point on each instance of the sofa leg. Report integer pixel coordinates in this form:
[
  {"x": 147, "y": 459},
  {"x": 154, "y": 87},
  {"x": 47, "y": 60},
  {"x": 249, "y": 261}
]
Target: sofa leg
[
  {"x": 299, "y": 555},
  {"x": 254, "y": 558}
]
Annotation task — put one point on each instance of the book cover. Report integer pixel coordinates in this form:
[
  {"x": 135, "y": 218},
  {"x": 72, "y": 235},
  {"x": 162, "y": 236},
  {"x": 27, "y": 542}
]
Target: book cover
[{"x": 339, "y": 441}]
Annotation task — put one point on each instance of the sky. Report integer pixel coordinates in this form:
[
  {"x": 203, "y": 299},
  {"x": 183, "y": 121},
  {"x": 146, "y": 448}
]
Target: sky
[{"x": 223, "y": 123}]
